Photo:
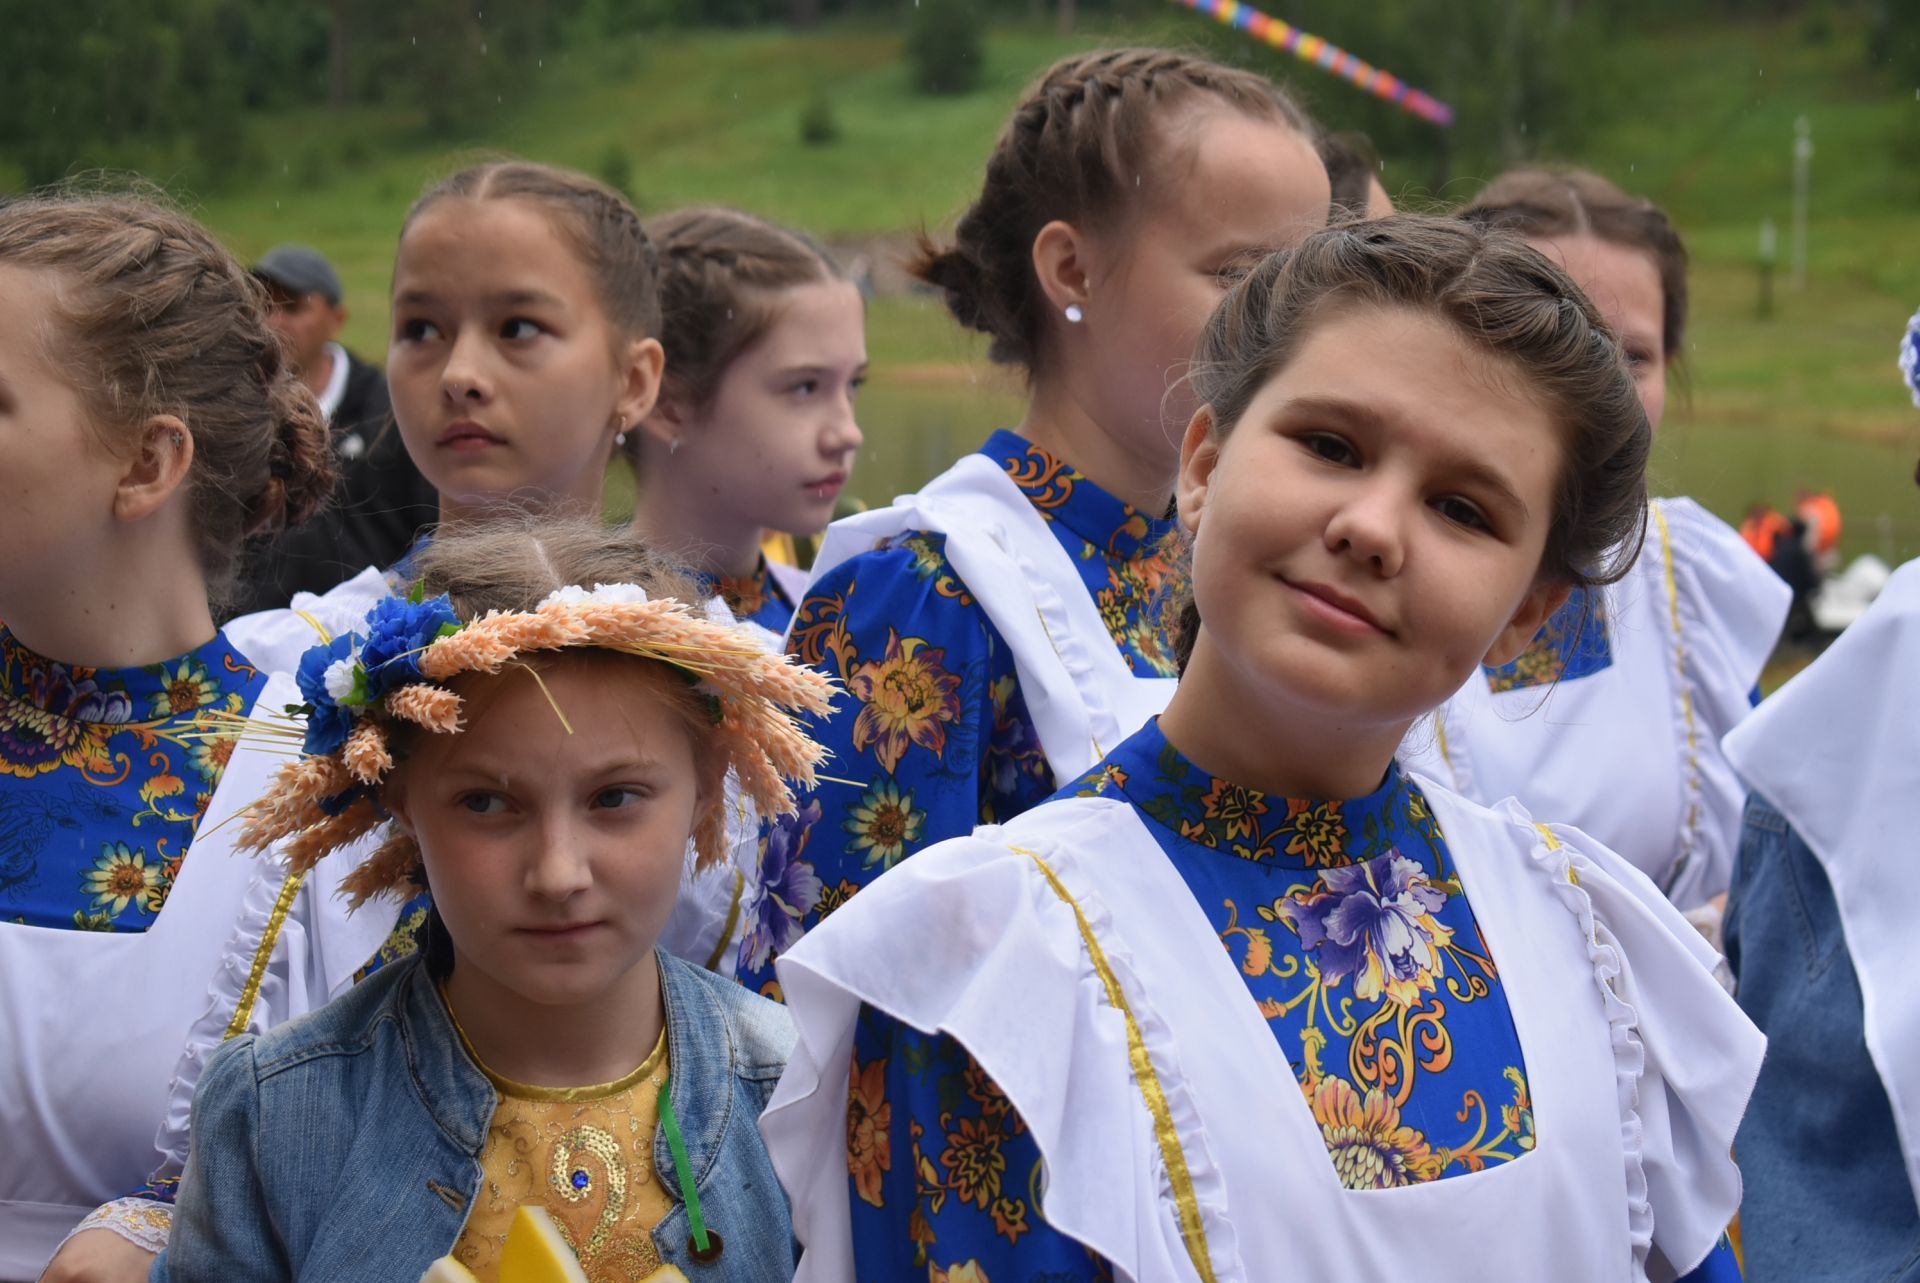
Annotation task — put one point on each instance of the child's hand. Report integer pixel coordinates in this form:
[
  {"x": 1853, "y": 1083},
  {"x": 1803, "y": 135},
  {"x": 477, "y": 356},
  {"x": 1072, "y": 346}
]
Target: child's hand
[{"x": 98, "y": 1256}]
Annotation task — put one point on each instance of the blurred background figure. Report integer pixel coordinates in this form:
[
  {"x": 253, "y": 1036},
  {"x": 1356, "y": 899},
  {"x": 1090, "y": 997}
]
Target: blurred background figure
[{"x": 382, "y": 500}]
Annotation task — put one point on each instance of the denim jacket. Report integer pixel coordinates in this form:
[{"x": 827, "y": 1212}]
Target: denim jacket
[{"x": 345, "y": 1146}]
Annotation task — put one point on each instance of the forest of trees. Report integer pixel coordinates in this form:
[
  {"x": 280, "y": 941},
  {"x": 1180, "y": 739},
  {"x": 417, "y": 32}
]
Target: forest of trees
[{"x": 85, "y": 81}]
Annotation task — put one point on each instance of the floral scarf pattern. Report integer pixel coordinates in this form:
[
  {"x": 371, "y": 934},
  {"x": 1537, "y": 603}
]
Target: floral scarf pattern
[{"x": 104, "y": 779}]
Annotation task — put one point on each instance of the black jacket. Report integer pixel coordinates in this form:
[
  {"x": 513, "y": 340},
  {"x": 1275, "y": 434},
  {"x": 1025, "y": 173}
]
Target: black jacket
[{"x": 379, "y": 505}]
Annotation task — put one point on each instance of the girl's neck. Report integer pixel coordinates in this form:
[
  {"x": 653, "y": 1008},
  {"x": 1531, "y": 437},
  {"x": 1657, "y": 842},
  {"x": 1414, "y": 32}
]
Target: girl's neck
[
  {"x": 1060, "y": 421},
  {"x": 143, "y": 602},
  {"x": 691, "y": 527},
  {"x": 585, "y": 498},
  {"x": 582, "y": 1044},
  {"x": 1258, "y": 739}
]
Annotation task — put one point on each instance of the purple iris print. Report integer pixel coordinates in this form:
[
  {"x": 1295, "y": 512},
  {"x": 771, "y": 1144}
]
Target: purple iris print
[
  {"x": 1373, "y": 921},
  {"x": 790, "y": 888}
]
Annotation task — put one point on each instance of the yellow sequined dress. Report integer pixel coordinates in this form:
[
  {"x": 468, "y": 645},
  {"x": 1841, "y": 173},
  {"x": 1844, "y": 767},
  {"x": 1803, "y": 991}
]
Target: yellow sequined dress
[{"x": 583, "y": 1153}]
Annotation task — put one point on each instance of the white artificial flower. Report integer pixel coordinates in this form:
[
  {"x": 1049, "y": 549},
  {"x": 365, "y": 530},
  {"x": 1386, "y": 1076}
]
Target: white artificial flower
[
  {"x": 605, "y": 594},
  {"x": 339, "y": 678}
]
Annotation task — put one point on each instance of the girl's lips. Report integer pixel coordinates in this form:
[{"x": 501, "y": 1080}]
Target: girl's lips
[
  {"x": 1338, "y": 609},
  {"x": 560, "y": 931},
  {"x": 467, "y": 435},
  {"x": 827, "y": 487}
]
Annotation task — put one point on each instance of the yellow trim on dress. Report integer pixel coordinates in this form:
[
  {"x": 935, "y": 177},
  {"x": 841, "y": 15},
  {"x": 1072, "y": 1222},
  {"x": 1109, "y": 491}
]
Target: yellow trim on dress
[
  {"x": 250, "y": 992},
  {"x": 1145, "y": 1077},
  {"x": 527, "y": 1091},
  {"x": 1686, "y": 694}
]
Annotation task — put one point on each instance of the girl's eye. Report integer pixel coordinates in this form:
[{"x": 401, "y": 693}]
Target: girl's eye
[
  {"x": 853, "y": 389},
  {"x": 1329, "y": 447},
  {"x": 483, "y": 803},
  {"x": 613, "y": 799},
  {"x": 1462, "y": 513},
  {"x": 806, "y": 387},
  {"x": 519, "y": 329},
  {"x": 1639, "y": 359},
  {"x": 417, "y": 331}
]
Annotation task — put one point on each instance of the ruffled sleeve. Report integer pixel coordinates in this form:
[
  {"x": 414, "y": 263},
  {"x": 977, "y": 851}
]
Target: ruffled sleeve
[
  {"x": 274, "y": 640},
  {"x": 1726, "y": 608},
  {"x": 292, "y": 949},
  {"x": 1685, "y": 1056}
]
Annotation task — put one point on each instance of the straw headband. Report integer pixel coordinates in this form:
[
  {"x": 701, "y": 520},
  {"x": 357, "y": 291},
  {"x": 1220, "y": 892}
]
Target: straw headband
[{"x": 358, "y": 685}]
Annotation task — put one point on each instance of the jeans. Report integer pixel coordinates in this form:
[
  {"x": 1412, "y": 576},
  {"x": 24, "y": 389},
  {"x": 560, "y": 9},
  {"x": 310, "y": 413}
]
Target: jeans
[{"x": 1827, "y": 1193}]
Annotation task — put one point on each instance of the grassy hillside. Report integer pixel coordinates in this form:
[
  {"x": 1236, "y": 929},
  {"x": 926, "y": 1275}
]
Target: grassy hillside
[{"x": 1705, "y": 126}]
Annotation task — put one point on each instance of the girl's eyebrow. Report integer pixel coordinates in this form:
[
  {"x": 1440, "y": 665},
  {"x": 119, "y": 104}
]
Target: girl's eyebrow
[{"x": 525, "y": 297}]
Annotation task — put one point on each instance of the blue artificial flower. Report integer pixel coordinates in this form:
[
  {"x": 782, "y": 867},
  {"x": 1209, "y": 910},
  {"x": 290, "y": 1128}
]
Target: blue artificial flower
[
  {"x": 328, "y": 720},
  {"x": 398, "y": 631}
]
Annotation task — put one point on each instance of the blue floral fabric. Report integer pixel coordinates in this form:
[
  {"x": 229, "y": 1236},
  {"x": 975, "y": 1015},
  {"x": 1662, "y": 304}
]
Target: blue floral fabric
[
  {"x": 1573, "y": 643},
  {"x": 933, "y": 736},
  {"x": 757, "y": 598},
  {"x": 1349, "y": 925},
  {"x": 104, "y": 778}
]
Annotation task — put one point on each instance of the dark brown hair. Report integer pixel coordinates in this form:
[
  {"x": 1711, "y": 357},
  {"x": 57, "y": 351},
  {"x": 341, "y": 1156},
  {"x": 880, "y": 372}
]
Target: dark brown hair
[
  {"x": 1073, "y": 150},
  {"x": 721, "y": 271},
  {"x": 154, "y": 317},
  {"x": 1505, "y": 299},
  {"x": 1542, "y": 204},
  {"x": 1351, "y": 165},
  {"x": 598, "y": 222}
]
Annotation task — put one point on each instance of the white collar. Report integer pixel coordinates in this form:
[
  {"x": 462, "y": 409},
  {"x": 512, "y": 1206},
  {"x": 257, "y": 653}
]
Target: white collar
[{"x": 336, "y": 390}]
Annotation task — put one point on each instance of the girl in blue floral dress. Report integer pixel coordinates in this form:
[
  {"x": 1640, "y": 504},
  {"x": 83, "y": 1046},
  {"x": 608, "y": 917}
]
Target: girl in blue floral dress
[
  {"x": 754, "y": 432},
  {"x": 1246, "y": 1000},
  {"x": 993, "y": 631},
  {"x": 149, "y": 425}
]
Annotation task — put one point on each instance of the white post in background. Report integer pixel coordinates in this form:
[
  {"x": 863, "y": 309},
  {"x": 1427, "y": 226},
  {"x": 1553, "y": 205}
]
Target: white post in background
[
  {"x": 1769, "y": 255},
  {"x": 1802, "y": 180}
]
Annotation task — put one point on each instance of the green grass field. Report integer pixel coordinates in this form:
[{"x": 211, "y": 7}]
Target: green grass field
[{"x": 1808, "y": 397}]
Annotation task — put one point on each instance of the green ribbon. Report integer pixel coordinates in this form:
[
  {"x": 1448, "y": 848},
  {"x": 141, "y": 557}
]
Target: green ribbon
[{"x": 682, "y": 1168}]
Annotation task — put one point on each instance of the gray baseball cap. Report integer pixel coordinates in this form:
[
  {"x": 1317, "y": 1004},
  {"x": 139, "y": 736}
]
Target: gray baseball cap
[{"x": 300, "y": 269}]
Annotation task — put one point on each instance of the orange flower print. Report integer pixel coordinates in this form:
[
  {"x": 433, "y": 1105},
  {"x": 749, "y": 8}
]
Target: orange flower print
[
  {"x": 1010, "y": 1218},
  {"x": 1238, "y": 809},
  {"x": 1318, "y": 831},
  {"x": 907, "y": 698},
  {"x": 974, "y": 1159},
  {"x": 968, "y": 1273},
  {"x": 869, "y": 1146},
  {"x": 1369, "y": 1146}
]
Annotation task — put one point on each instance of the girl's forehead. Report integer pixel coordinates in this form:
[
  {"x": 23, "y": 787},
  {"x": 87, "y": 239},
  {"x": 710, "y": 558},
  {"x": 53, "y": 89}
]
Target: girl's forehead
[{"x": 463, "y": 241}]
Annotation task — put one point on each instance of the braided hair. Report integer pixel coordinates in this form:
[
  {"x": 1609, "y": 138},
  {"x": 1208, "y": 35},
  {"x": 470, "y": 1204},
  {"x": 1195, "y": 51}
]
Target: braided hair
[
  {"x": 155, "y": 317},
  {"x": 720, "y": 270},
  {"x": 1077, "y": 149}
]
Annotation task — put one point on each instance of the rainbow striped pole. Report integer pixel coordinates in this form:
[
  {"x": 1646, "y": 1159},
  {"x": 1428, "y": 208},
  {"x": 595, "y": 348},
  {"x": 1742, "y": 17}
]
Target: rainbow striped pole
[{"x": 1383, "y": 85}]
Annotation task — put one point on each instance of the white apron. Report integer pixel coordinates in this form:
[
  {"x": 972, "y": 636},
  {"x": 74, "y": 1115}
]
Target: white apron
[
  {"x": 1630, "y": 754},
  {"x": 1837, "y": 752},
  {"x": 1177, "y": 1143},
  {"x": 93, "y": 1024},
  {"x": 1079, "y": 691}
]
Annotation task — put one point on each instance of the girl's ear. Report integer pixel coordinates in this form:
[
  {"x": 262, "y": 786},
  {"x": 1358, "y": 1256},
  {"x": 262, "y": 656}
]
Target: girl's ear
[
  {"x": 393, "y": 797},
  {"x": 157, "y": 470},
  {"x": 1536, "y": 608},
  {"x": 646, "y": 363},
  {"x": 1199, "y": 453},
  {"x": 1060, "y": 261}
]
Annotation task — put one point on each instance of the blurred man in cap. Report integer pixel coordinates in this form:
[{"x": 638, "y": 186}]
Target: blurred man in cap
[{"x": 382, "y": 500}]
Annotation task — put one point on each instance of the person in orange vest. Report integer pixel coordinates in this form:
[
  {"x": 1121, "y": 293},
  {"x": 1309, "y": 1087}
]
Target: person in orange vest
[
  {"x": 1763, "y": 527},
  {"x": 1822, "y": 516}
]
